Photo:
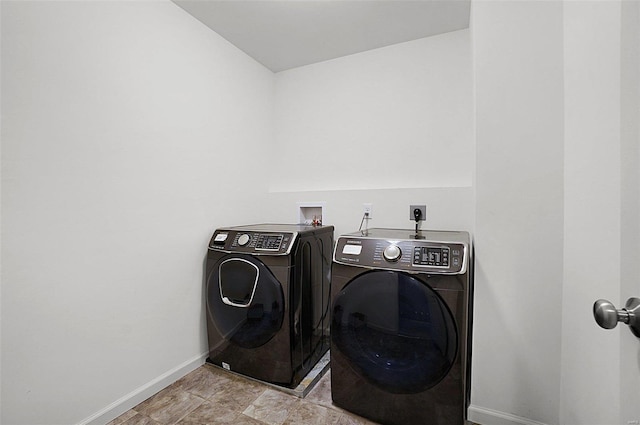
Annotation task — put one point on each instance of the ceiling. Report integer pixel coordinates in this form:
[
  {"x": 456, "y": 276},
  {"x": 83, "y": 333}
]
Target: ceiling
[{"x": 285, "y": 34}]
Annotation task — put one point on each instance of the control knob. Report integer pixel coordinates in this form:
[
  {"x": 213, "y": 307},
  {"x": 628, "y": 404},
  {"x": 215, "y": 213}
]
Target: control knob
[
  {"x": 392, "y": 253},
  {"x": 243, "y": 239}
]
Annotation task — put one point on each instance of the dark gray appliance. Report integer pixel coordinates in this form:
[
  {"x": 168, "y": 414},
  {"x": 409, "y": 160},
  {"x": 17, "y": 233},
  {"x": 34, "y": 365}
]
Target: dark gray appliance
[
  {"x": 268, "y": 299},
  {"x": 401, "y": 326}
]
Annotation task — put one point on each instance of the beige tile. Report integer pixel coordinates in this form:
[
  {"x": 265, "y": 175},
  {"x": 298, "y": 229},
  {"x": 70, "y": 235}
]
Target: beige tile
[
  {"x": 120, "y": 419},
  {"x": 166, "y": 392},
  {"x": 242, "y": 419},
  {"x": 238, "y": 395},
  {"x": 272, "y": 407},
  {"x": 169, "y": 405},
  {"x": 232, "y": 399},
  {"x": 205, "y": 381},
  {"x": 312, "y": 414},
  {"x": 209, "y": 413},
  {"x": 138, "y": 419},
  {"x": 321, "y": 393}
]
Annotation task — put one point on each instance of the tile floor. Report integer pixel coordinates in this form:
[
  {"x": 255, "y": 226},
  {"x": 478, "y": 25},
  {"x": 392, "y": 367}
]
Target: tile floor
[{"x": 209, "y": 395}]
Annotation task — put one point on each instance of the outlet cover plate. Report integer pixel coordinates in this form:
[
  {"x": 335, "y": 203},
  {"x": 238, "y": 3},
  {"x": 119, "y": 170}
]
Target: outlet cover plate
[
  {"x": 367, "y": 208},
  {"x": 422, "y": 208}
]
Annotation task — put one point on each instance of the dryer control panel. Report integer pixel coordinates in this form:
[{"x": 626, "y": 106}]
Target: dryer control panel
[
  {"x": 426, "y": 252},
  {"x": 252, "y": 242}
]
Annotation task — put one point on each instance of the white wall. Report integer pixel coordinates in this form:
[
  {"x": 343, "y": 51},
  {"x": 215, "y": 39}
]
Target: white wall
[
  {"x": 121, "y": 124},
  {"x": 519, "y": 212},
  {"x": 630, "y": 202},
  {"x": 124, "y": 122},
  {"x": 557, "y": 195},
  {"x": 590, "y": 381},
  {"x": 394, "y": 117},
  {"x": 391, "y": 127},
  {"x": 447, "y": 208},
  {"x": 603, "y": 158}
]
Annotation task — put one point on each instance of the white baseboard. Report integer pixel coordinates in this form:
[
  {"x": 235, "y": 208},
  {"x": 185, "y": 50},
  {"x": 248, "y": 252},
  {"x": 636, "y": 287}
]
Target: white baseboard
[
  {"x": 484, "y": 416},
  {"x": 142, "y": 393}
]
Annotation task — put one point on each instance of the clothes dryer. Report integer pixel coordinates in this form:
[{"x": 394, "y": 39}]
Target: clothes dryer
[
  {"x": 401, "y": 326},
  {"x": 268, "y": 299}
]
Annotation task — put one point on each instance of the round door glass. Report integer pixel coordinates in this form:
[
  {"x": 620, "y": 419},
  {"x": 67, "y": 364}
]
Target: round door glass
[
  {"x": 395, "y": 331},
  {"x": 245, "y": 301}
]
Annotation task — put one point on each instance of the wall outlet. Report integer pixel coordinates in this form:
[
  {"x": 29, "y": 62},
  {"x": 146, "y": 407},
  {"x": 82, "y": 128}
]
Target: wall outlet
[
  {"x": 367, "y": 209},
  {"x": 423, "y": 212}
]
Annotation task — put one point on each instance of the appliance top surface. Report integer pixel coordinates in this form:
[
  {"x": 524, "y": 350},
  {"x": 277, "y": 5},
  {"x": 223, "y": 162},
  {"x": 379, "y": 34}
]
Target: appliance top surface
[
  {"x": 410, "y": 235},
  {"x": 264, "y": 239},
  {"x": 270, "y": 227},
  {"x": 433, "y": 252}
]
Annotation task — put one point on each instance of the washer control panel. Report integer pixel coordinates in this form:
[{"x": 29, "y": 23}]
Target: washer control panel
[
  {"x": 439, "y": 255},
  {"x": 249, "y": 242},
  {"x": 436, "y": 256}
]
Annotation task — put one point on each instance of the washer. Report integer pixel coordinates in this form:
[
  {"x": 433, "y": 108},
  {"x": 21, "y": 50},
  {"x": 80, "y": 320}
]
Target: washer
[
  {"x": 268, "y": 298},
  {"x": 401, "y": 326}
]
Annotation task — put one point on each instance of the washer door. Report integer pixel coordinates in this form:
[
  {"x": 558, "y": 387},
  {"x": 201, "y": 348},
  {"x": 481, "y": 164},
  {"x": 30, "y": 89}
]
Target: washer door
[
  {"x": 245, "y": 301},
  {"x": 395, "y": 331}
]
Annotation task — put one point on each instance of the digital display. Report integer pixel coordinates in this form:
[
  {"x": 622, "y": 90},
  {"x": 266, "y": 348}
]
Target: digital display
[
  {"x": 219, "y": 240},
  {"x": 431, "y": 256},
  {"x": 272, "y": 240},
  {"x": 269, "y": 242},
  {"x": 352, "y": 249}
]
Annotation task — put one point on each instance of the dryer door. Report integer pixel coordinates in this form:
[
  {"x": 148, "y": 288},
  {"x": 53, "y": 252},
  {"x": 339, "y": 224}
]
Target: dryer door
[
  {"x": 395, "y": 331},
  {"x": 244, "y": 301}
]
